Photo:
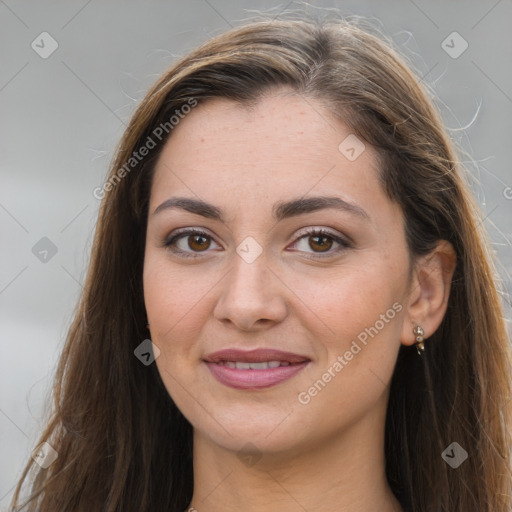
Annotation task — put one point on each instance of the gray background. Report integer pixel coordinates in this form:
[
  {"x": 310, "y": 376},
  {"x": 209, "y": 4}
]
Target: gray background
[{"x": 62, "y": 116}]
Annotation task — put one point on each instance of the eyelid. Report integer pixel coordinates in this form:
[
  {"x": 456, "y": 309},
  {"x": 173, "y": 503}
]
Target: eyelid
[{"x": 314, "y": 230}]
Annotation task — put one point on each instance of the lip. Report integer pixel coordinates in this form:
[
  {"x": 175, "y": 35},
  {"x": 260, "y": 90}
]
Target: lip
[{"x": 250, "y": 378}]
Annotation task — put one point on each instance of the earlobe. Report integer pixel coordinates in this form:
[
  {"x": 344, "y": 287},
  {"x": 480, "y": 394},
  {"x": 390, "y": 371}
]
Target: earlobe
[{"x": 429, "y": 292}]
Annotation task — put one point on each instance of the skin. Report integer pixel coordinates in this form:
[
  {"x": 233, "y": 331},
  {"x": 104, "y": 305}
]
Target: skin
[{"x": 327, "y": 454}]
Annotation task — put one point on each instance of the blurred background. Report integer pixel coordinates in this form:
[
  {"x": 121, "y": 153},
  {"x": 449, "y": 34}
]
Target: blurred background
[{"x": 71, "y": 77}]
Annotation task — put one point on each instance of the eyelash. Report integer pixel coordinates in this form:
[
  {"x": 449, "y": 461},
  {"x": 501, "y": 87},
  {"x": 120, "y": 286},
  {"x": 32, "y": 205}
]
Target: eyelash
[{"x": 321, "y": 232}]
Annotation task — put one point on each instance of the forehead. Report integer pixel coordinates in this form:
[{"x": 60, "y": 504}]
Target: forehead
[{"x": 284, "y": 144}]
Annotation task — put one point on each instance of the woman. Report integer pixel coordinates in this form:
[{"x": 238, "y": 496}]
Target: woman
[{"x": 287, "y": 222}]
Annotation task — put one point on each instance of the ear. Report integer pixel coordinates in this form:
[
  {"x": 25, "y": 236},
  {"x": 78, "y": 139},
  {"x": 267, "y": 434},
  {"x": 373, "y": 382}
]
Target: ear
[{"x": 429, "y": 291}]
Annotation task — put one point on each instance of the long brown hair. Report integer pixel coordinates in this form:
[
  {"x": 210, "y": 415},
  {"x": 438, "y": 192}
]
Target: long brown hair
[{"x": 123, "y": 445}]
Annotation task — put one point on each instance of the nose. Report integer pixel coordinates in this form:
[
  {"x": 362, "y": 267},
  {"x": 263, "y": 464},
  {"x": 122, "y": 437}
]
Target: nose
[{"x": 253, "y": 298}]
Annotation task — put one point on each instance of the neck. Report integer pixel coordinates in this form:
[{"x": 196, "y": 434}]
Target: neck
[{"x": 344, "y": 474}]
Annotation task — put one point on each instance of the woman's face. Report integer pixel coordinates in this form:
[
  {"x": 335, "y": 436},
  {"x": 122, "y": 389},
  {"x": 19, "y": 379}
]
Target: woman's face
[{"x": 280, "y": 238}]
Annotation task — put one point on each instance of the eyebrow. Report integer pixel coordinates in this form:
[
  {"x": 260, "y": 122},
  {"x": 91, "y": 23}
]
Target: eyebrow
[{"x": 281, "y": 210}]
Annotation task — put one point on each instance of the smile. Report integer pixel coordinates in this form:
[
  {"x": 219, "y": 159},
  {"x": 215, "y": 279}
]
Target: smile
[{"x": 254, "y": 369}]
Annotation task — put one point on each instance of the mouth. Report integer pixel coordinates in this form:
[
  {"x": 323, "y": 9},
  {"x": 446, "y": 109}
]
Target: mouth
[{"x": 255, "y": 369}]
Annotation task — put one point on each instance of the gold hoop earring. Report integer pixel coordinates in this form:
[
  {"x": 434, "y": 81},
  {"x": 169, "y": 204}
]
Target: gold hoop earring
[{"x": 420, "y": 346}]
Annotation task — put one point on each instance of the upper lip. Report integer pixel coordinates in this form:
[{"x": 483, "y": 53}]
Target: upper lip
[{"x": 254, "y": 356}]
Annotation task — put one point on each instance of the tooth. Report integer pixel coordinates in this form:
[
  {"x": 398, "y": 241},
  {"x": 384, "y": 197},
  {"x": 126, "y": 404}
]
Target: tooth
[
  {"x": 259, "y": 366},
  {"x": 263, "y": 365}
]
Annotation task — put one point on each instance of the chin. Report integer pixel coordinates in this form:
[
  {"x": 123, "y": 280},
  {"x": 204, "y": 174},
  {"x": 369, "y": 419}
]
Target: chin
[{"x": 268, "y": 429}]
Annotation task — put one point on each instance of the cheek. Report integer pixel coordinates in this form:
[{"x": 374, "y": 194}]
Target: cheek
[
  {"x": 174, "y": 297},
  {"x": 360, "y": 312},
  {"x": 176, "y": 304},
  {"x": 352, "y": 298}
]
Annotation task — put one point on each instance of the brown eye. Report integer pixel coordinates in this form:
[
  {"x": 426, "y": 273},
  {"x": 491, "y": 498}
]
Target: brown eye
[
  {"x": 190, "y": 243},
  {"x": 198, "y": 242},
  {"x": 320, "y": 243}
]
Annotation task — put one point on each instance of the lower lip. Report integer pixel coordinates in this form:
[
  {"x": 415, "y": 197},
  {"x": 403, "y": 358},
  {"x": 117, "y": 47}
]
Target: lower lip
[{"x": 254, "y": 379}]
